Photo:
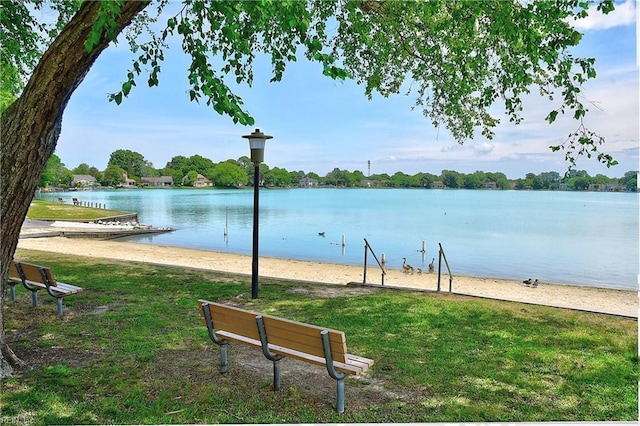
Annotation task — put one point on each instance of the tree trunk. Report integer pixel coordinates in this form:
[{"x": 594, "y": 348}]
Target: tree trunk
[{"x": 31, "y": 127}]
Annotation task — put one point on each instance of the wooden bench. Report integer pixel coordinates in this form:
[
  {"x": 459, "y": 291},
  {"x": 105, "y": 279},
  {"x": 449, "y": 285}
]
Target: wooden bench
[
  {"x": 279, "y": 338},
  {"x": 35, "y": 278}
]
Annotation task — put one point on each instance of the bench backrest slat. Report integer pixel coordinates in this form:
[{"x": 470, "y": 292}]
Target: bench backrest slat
[
  {"x": 13, "y": 270},
  {"x": 32, "y": 273},
  {"x": 282, "y": 332},
  {"x": 234, "y": 320},
  {"x": 304, "y": 337}
]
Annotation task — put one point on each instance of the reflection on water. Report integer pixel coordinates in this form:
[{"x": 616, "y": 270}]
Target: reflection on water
[{"x": 564, "y": 237}]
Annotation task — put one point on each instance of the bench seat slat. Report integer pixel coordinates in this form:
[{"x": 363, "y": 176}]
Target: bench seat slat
[
  {"x": 339, "y": 366},
  {"x": 66, "y": 289},
  {"x": 363, "y": 363},
  {"x": 239, "y": 338},
  {"x": 354, "y": 359}
]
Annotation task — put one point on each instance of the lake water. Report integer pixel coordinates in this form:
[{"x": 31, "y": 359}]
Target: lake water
[{"x": 582, "y": 238}]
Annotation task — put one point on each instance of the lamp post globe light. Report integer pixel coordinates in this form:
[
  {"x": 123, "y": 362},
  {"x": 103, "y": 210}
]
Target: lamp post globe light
[{"x": 257, "y": 141}]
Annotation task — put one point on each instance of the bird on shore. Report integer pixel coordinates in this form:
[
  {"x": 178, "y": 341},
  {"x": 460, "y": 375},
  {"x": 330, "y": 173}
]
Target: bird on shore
[
  {"x": 321, "y": 234},
  {"x": 419, "y": 271},
  {"x": 535, "y": 283},
  {"x": 527, "y": 281},
  {"x": 431, "y": 267},
  {"x": 405, "y": 266}
]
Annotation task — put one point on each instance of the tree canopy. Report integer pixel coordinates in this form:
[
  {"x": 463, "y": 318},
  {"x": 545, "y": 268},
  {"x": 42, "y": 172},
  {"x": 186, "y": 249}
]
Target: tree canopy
[
  {"x": 460, "y": 57},
  {"x": 456, "y": 58}
]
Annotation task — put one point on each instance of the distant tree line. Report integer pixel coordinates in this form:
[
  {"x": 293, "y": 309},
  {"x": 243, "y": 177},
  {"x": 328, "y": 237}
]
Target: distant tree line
[{"x": 238, "y": 173}]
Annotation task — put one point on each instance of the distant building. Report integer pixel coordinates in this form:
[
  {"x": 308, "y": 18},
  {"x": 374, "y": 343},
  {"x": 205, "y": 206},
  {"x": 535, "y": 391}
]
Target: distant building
[
  {"x": 157, "y": 181},
  {"x": 307, "y": 182},
  {"x": 128, "y": 183},
  {"x": 84, "y": 181},
  {"x": 601, "y": 187},
  {"x": 367, "y": 183},
  {"x": 490, "y": 185},
  {"x": 202, "y": 182},
  {"x": 437, "y": 184}
]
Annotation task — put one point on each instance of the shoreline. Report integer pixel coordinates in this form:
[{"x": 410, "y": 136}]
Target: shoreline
[{"x": 585, "y": 298}]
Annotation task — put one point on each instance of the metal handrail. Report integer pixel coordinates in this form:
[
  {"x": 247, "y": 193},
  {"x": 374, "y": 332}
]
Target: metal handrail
[
  {"x": 440, "y": 256},
  {"x": 367, "y": 247}
]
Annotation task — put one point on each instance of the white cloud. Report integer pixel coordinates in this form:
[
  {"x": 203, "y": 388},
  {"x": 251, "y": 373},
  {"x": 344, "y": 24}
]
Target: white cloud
[
  {"x": 484, "y": 148},
  {"x": 624, "y": 14}
]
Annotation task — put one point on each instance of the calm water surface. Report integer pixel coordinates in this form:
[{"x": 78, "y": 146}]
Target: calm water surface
[{"x": 583, "y": 238}]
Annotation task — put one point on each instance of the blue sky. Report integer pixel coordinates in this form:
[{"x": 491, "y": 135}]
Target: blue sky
[{"x": 319, "y": 124}]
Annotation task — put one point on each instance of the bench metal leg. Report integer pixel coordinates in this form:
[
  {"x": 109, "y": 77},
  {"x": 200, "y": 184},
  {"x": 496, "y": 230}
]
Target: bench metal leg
[
  {"x": 265, "y": 350},
  {"x": 13, "y": 293},
  {"x": 340, "y": 396},
  {"x": 224, "y": 344},
  {"x": 59, "y": 303},
  {"x": 34, "y": 298},
  {"x": 276, "y": 375},
  {"x": 336, "y": 375},
  {"x": 223, "y": 358}
]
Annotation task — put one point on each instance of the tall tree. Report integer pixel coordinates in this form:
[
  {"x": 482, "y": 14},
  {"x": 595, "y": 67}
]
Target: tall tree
[
  {"x": 462, "y": 56},
  {"x": 55, "y": 173},
  {"x": 113, "y": 176},
  {"x": 82, "y": 169},
  {"x": 198, "y": 163},
  {"x": 31, "y": 124},
  {"x": 130, "y": 161},
  {"x": 229, "y": 175}
]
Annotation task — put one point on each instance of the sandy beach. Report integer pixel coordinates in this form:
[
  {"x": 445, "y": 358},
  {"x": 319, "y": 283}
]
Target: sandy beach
[{"x": 616, "y": 302}]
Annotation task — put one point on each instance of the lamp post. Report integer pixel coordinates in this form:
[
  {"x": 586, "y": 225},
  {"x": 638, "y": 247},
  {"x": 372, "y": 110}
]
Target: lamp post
[{"x": 257, "y": 141}]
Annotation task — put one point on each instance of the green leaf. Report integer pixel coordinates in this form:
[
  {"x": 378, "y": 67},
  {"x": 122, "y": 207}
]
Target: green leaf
[
  {"x": 126, "y": 88},
  {"x": 92, "y": 41}
]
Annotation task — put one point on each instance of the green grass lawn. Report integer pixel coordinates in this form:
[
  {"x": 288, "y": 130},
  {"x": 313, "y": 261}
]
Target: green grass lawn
[
  {"x": 59, "y": 211},
  {"x": 131, "y": 349}
]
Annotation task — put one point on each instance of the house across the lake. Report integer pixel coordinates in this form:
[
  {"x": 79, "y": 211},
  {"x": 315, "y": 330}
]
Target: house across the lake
[
  {"x": 128, "y": 183},
  {"x": 157, "y": 181},
  {"x": 202, "y": 182},
  {"x": 490, "y": 185},
  {"x": 307, "y": 182},
  {"x": 84, "y": 181}
]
